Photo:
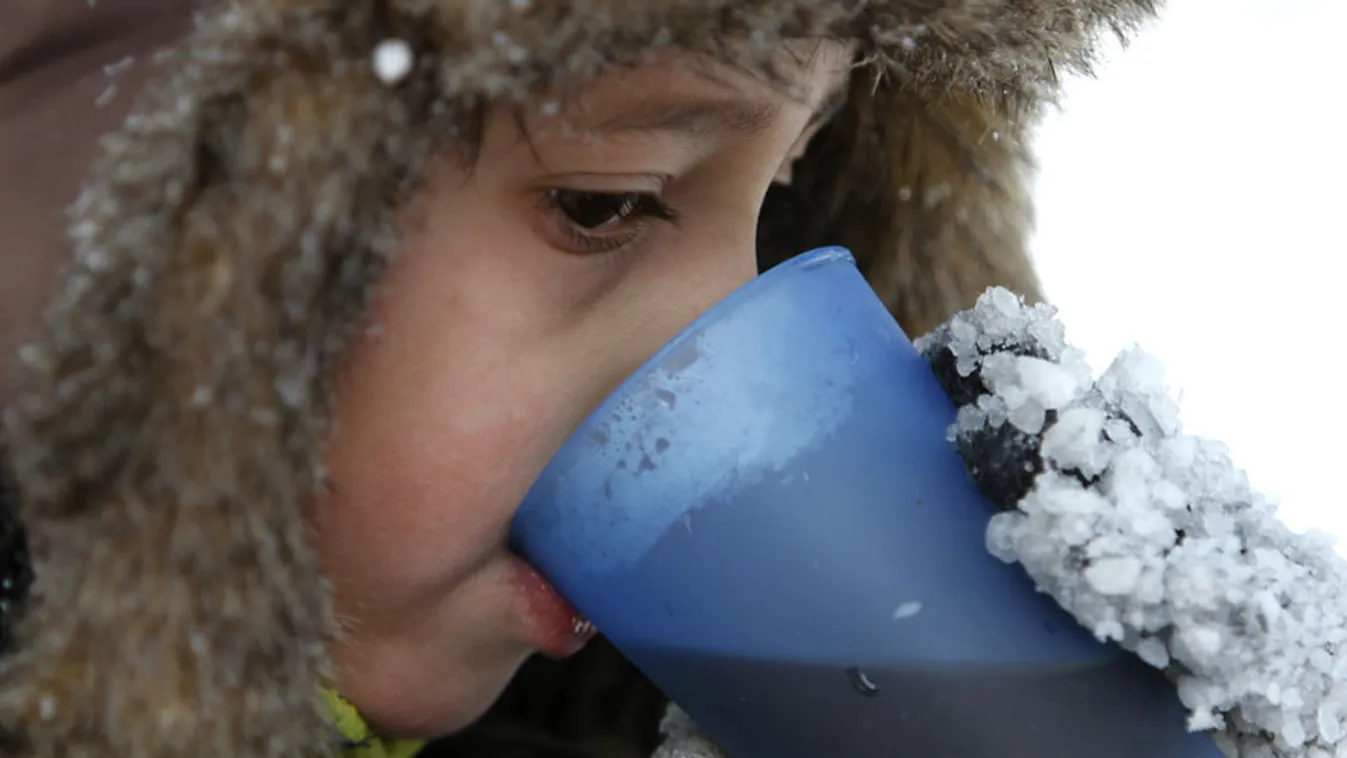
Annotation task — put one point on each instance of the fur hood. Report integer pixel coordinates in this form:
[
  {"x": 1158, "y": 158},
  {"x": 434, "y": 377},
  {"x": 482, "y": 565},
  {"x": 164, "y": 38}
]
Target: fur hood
[{"x": 167, "y": 436}]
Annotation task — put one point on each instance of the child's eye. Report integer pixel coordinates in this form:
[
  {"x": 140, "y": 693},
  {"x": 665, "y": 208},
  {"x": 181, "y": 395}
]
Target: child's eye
[{"x": 599, "y": 222}]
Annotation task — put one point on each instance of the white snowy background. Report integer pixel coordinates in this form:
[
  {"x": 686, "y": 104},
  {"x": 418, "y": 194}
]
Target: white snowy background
[{"x": 1191, "y": 200}]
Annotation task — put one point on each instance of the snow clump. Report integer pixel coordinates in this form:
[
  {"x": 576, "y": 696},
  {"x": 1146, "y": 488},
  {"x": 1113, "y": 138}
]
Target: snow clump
[{"x": 1149, "y": 537}]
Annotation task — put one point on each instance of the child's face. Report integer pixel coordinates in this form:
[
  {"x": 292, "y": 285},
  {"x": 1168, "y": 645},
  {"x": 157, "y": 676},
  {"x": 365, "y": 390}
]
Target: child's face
[{"x": 530, "y": 285}]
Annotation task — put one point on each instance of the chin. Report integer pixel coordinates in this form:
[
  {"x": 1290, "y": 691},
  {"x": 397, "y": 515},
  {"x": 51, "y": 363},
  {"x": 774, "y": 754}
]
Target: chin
[{"x": 416, "y": 709}]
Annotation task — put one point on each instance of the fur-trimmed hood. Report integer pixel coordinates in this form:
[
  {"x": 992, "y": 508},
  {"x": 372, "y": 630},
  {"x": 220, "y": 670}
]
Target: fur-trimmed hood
[{"x": 167, "y": 436}]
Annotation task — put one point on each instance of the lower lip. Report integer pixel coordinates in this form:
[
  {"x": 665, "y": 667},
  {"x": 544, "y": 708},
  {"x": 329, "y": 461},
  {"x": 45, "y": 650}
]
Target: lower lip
[{"x": 559, "y": 630}]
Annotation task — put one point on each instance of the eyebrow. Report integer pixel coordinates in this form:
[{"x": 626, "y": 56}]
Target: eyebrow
[{"x": 695, "y": 118}]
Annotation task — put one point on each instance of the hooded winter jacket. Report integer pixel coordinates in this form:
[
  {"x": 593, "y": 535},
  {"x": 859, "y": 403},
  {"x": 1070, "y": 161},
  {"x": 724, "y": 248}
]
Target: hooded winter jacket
[{"x": 924, "y": 175}]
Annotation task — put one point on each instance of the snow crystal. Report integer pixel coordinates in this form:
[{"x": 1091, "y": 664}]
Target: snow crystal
[
  {"x": 108, "y": 94},
  {"x": 202, "y": 396},
  {"x": 1114, "y": 576},
  {"x": 1146, "y": 535},
  {"x": 393, "y": 61},
  {"x": 118, "y": 67},
  {"x": 1154, "y": 652}
]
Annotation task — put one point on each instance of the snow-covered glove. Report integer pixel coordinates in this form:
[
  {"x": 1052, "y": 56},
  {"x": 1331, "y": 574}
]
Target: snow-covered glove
[{"x": 1147, "y": 536}]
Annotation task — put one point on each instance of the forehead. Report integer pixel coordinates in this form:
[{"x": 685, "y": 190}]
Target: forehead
[{"x": 682, "y": 91}]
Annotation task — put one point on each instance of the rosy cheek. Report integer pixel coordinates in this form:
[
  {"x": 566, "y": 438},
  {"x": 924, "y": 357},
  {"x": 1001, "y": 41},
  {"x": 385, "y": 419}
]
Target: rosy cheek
[
  {"x": 436, "y": 453},
  {"x": 483, "y": 440}
]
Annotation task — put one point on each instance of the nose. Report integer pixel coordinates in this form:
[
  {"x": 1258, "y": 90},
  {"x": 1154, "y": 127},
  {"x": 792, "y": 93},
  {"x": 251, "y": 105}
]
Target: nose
[
  {"x": 655, "y": 301},
  {"x": 658, "y": 300},
  {"x": 687, "y": 287}
]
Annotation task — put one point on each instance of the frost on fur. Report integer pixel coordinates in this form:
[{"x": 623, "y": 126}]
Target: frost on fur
[{"x": 1149, "y": 537}]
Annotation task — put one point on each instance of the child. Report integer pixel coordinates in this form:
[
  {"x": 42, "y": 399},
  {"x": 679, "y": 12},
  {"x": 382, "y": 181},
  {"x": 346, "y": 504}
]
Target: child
[{"x": 352, "y": 272}]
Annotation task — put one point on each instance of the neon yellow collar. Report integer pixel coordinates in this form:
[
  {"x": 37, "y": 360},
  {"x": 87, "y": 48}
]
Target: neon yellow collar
[{"x": 362, "y": 742}]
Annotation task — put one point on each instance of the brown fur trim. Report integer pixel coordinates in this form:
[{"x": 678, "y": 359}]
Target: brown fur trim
[
  {"x": 167, "y": 437},
  {"x": 930, "y": 196}
]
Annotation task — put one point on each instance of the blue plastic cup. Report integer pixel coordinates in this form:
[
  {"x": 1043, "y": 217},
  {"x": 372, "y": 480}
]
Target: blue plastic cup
[{"x": 768, "y": 520}]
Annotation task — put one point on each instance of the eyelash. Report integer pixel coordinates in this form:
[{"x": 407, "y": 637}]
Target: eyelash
[{"x": 633, "y": 213}]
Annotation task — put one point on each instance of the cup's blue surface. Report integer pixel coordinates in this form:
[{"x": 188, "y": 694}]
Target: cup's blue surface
[{"x": 768, "y": 519}]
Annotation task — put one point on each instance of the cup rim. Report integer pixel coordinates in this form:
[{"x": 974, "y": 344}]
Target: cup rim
[{"x": 804, "y": 261}]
